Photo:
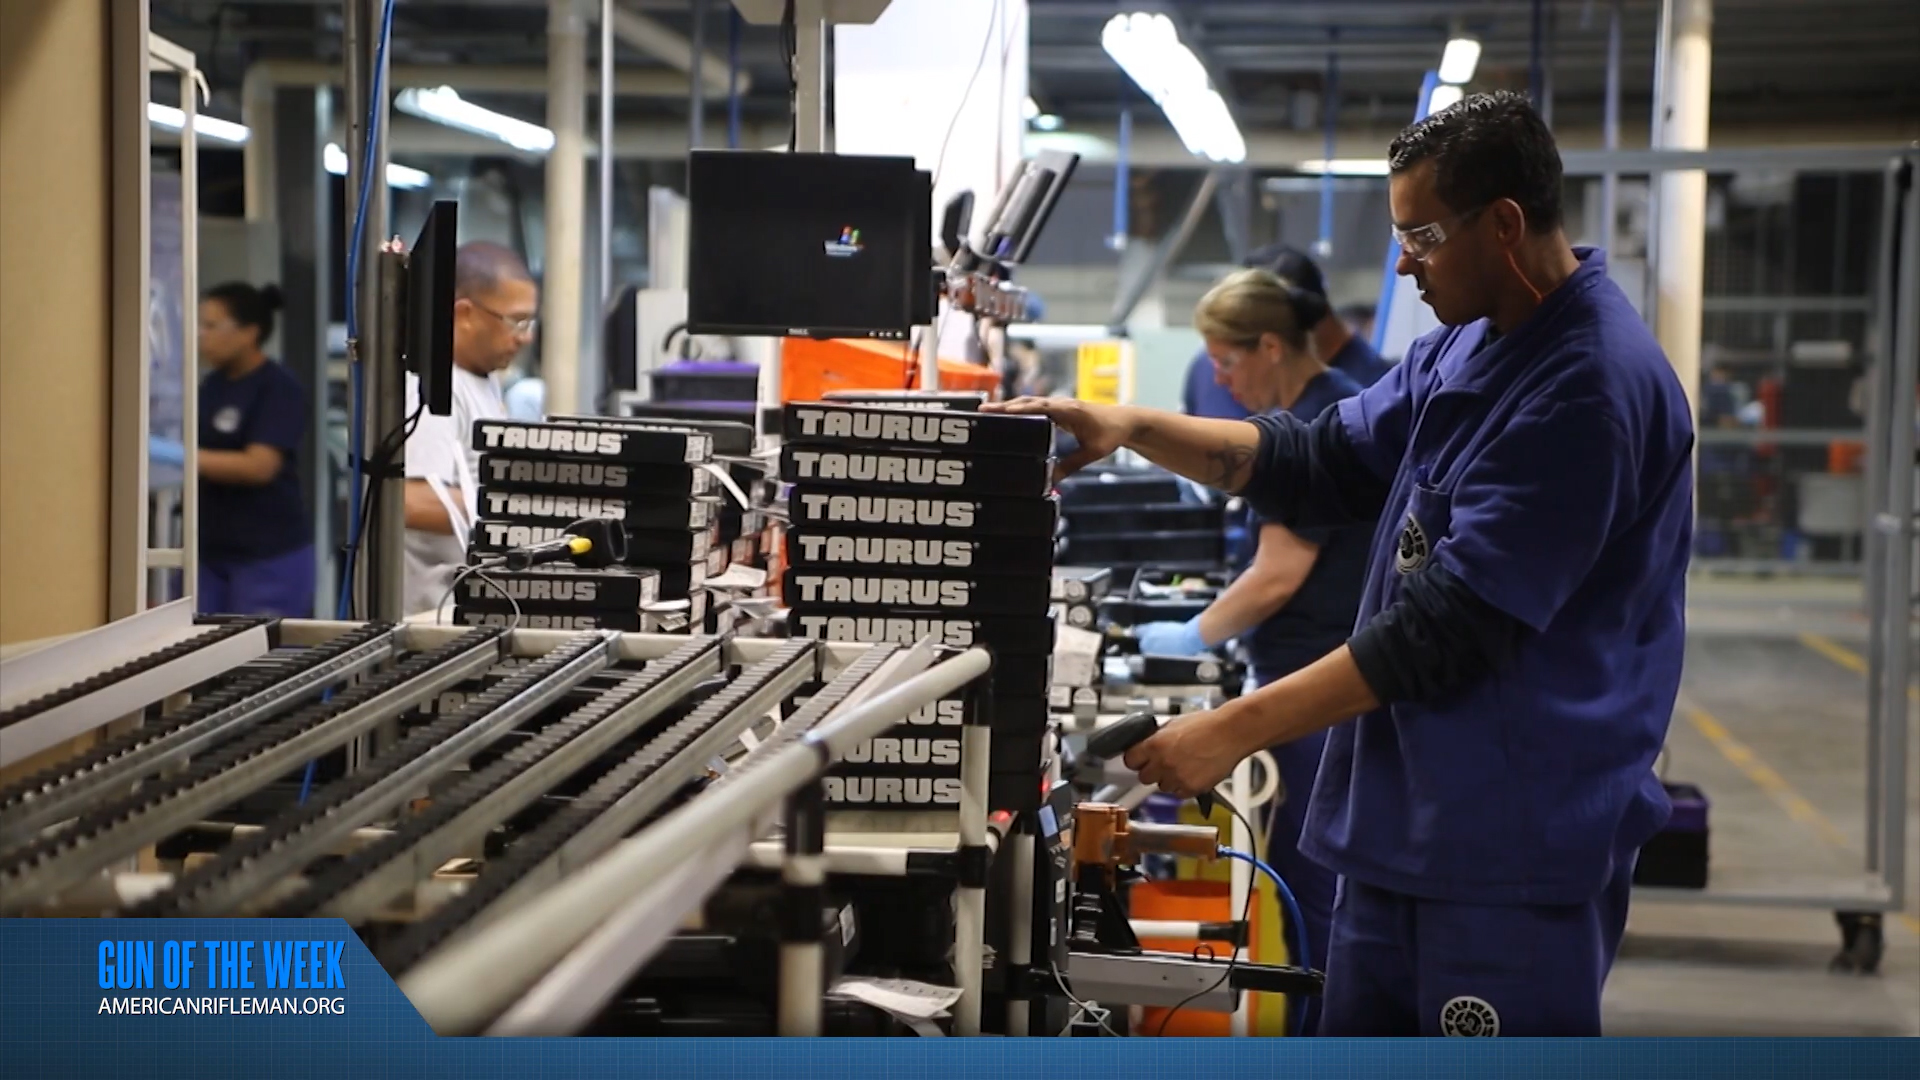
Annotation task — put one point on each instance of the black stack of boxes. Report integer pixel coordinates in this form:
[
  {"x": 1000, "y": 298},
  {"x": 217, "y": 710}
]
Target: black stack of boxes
[
  {"x": 741, "y": 527},
  {"x": 1132, "y": 519},
  {"x": 908, "y": 523},
  {"x": 537, "y": 480}
]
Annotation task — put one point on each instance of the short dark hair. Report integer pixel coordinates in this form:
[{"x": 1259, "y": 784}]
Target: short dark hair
[
  {"x": 1487, "y": 147},
  {"x": 1306, "y": 288},
  {"x": 1290, "y": 263},
  {"x": 248, "y": 306},
  {"x": 479, "y": 266}
]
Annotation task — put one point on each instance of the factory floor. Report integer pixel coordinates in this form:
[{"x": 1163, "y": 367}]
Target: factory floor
[{"x": 1771, "y": 724}]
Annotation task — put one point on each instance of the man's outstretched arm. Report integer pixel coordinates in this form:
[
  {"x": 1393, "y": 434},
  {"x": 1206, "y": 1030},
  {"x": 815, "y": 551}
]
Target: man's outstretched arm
[
  {"x": 1217, "y": 453},
  {"x": 1294, "y": 472}
]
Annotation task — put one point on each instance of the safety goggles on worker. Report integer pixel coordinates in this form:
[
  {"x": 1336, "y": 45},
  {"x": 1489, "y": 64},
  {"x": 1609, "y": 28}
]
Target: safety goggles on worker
[
  {"x": 1419, "y": 242},
  {"x": 518, "y": 326}
]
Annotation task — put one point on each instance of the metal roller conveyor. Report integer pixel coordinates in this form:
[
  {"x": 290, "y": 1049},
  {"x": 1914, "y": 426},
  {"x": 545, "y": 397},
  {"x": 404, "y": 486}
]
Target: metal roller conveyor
[
  {"x": 51, "y": 695},
  {"x": 460, "y": 817},
  {"x": 63, "y": 791},
  {"x": 296, "y": 837},
  {"x": 581, "y": 985},
  {"x": 844, "y": 689},
  {"x": 36, "y": 873},
  {"x": 570, "y": 747},
  {"x": 613, "y": 806}
]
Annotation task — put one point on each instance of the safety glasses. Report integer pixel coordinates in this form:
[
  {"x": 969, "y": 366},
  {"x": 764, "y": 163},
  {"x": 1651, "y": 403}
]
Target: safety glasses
[
  {"x": 520, "y": 327},
  {"x": 1419, "y": 242}
]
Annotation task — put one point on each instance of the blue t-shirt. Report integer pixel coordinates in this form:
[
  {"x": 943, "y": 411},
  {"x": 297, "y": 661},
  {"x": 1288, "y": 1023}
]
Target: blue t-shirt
[
  {"x": 241, "y": 522},
  {"x": 1204, "y": 397},
  {"x": 1551, "y": 473},
  {"x": 1357, "y": 361},
  {"x": 1319, "y": 616}
]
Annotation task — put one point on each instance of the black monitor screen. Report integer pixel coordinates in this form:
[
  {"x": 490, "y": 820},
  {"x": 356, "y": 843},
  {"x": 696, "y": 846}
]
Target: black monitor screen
[
  {"x": 805, "y": 245},
  {"x": 427, "y": 342}
]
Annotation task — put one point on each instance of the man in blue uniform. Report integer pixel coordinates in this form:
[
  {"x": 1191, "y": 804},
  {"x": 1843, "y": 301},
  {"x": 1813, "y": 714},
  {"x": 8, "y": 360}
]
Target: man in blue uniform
[
  {"x": 1488, "y": 778},
  {"x": 1333, "y": 341}
]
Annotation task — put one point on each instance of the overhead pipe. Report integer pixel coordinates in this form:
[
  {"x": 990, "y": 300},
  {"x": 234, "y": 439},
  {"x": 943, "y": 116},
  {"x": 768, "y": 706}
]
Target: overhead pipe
[
  {"x": 1331, "y": 109},
  {"x": 1122, "y": 178},
  {"x": 697, "y": 102},
  {"x": 669, "y": 47},
  {"x": 1536, "y": 55},
  {"x": 1168, "y": 250},
  {"x": 264, "y": 77},
  {"x": 733, "y": 73}
]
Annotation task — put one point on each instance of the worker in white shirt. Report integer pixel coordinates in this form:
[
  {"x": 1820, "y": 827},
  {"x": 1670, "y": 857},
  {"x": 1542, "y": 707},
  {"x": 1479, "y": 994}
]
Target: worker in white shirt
[{"x": 495, "y": 309}]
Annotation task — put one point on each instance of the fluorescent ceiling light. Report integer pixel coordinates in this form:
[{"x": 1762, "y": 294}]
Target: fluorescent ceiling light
[
  {"x": 1149, "y": 50},
  {"x": 1446, "y": 95},
  {"x": 211, "y": 127},
  {"x": 398, "y": 176},
  {"x": 1048, "y": 122},
  {"x": 1346, "y": 166},
  {"x": 444, "y": 106},
  {"x": 1458, "y": 62}
]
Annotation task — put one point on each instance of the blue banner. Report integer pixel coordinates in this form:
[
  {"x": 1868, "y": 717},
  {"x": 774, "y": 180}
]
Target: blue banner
[{"x": 226, "y": 999}]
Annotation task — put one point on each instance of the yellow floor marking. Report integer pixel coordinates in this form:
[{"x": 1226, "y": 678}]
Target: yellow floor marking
[
  {"x": 1845, "y": 657},
  {"x": 1769, "y": 780}
]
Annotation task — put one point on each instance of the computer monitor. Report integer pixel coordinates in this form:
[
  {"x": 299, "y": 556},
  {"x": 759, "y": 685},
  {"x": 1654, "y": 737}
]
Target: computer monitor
[
  {"x": 807, "y": 245},
  {"x": 426, "y": 338},
  {"x": 1025, "y": 205}
]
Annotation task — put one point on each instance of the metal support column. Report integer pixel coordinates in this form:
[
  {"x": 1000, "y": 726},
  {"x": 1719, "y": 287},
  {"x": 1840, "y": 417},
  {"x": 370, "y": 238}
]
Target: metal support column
[
  {"x": 809, "y": 137},
  {"x": 697, "y": 99},
  {"x": 803, "y": 876},
  {"x": 1680, "y": 268},
  {"x": 1892, "y": 667},
  {"x": 1656, "y": 140},
  {"x": 367, "y": 112},
  {"x": 970, "y": 899},
  {"x": 1019, "y": 909},
  {"x": 383, "y": 565},
  {"x": 1610, "y": 131},
  {"x": 605, "y": 249},
  {"x": 563, "y": 303},
  {"x": 298, "y": 190}
]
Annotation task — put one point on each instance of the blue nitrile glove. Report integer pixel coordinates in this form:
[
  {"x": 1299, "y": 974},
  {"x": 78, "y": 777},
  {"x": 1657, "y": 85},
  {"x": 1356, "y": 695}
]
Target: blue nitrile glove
[{"x": 1171, "y": 638}]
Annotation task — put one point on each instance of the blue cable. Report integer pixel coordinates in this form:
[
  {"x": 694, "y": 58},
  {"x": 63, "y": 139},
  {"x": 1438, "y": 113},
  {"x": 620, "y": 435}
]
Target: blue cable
[
  {"x": 1302, "y": 953},
  {"x": 356, "y": 391}
]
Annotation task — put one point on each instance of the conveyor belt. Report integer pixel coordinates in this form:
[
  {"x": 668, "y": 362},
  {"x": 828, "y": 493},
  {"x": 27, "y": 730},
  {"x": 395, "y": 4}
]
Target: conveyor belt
[
  {"x": 295, "y": 838},
  {"x": 615, "y": 804},
  {"x": 38, "y": 871},
  {"x": 257, "y": 693},
  {"x": 360, "y": 884},
  {"x": 795, "y": 727},
  {"x": 73, "y": 692},
  {"x": 461, "y": 815}
]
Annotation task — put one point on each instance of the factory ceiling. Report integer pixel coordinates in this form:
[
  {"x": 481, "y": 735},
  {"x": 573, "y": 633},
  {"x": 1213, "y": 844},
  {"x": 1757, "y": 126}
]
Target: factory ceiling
[{"x": 1796, "y": 62}]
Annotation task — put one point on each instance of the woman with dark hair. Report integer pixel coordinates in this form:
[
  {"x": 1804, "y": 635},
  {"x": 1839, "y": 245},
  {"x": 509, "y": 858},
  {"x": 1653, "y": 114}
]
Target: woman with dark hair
[{"x": 256, "y": 547}]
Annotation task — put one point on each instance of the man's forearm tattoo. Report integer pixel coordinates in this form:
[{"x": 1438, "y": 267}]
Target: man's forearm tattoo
[{"x": 1228, "y": 460}]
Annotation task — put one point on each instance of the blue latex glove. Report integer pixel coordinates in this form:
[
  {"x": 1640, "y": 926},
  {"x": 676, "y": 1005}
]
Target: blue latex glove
[{"x": 1171, "y": 638}]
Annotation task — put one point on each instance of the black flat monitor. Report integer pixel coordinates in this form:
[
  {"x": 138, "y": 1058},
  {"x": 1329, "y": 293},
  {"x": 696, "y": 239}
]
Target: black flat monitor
[
  {"x": 807, "y": 245},
  {"x": 426, "y": 338}
]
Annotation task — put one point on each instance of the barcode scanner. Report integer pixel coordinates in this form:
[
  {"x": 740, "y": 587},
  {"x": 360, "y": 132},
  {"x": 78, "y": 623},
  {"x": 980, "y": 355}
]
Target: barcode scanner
[{"x": 1114, "y": 740}]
